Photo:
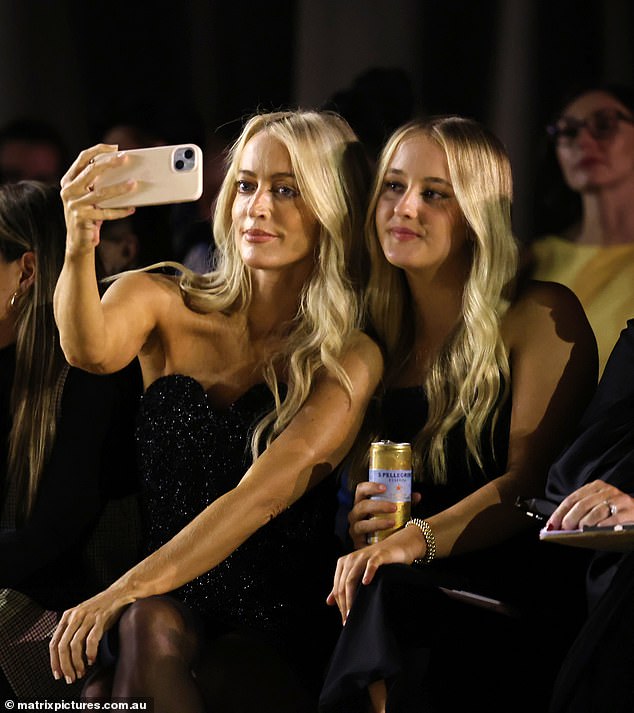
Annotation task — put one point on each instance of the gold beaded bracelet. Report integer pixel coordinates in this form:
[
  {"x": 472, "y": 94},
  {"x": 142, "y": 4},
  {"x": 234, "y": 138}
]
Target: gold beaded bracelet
[{"x": 430, "y": 540}]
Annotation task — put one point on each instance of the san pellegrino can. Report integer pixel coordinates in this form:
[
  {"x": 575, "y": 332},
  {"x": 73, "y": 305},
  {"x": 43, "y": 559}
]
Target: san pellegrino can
[{"x": 391, "y": 465}]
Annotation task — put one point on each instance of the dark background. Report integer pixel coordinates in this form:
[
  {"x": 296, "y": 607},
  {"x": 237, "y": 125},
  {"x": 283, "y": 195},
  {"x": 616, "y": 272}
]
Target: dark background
[{"x": 196, "y": 67}]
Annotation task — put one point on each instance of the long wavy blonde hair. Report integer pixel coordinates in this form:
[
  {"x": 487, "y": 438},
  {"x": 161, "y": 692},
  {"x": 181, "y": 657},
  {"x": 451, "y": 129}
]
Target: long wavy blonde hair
[
  {"x": 32, "y": 219},
  {"x": 468, "y": 379},
  {"x": 333, "y": 177}
]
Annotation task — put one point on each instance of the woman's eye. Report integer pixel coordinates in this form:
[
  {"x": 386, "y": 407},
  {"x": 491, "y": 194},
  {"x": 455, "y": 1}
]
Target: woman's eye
[
  {"x": 285, "y": 191},
  {"x": 245, "y": 186},
  {"x": 430, "y": 195},
  {"x": 393, "y": 186}
]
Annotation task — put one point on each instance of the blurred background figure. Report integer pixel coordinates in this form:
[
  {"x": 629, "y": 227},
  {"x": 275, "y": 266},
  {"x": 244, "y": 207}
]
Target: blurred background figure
[
  {"x": 197, "y": 241},
  {"x": 119, "y": 247},
  {"x": 589, "y": 244},
  {"x": 132, "y": 133},
  {"x": 376, "y": 103},
  {"x": 31, "y": 149}
]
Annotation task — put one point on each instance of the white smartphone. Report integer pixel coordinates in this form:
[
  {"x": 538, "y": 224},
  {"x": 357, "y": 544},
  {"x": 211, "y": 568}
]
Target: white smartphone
[{"x": 164, "y": 174}]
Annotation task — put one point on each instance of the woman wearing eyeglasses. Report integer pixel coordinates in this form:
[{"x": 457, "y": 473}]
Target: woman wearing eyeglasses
[{"x": 593, "y": 137}]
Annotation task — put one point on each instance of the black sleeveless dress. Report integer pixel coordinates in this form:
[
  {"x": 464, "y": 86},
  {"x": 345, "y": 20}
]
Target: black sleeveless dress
[
  {"x": 275, "y": 584},
  {"x": 439, "y": 650}
]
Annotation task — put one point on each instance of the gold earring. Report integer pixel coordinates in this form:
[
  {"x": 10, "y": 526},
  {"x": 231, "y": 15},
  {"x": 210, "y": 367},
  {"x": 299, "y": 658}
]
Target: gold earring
[{"x": 13, "y": 300}]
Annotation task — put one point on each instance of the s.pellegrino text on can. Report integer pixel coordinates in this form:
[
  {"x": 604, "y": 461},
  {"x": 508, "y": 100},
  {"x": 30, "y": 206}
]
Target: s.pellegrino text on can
[{"x": 391, "y": 465}]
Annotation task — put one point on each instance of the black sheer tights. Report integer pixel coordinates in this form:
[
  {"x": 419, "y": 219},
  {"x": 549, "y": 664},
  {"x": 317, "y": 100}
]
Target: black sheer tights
[
  {"x": 161, "y": 656},
  {"x": 158, "y": 645}
]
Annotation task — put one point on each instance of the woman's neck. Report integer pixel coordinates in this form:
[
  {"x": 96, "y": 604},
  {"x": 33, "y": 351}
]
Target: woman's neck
[
  {"x": 438, "y": 307},
  {"x": 274, "y": 303},
  {"x": 608, "y": 217},
  {"x": 7, "y": 333}
]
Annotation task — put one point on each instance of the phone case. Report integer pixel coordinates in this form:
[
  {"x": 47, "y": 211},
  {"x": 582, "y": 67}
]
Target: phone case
[{"x": 164, "y": 174}]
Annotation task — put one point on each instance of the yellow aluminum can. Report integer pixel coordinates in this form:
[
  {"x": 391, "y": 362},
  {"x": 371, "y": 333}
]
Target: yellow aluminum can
[{"x": 391, "y": 465}]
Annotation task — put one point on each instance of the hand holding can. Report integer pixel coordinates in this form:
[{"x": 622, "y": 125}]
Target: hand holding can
[{"x": 391, "y": 465}]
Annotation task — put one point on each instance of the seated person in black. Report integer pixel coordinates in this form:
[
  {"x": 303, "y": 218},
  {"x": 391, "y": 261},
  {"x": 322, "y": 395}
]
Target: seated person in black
[
  {"x": 485, "y": 378},
  {"x": 67, "y": 466},
  {"x": 592, "y": 480}
]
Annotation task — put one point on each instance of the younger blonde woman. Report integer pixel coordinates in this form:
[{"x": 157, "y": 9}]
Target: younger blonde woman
[
  {"x": 485, "y": 378},
  {"x": 256, "y": 379}
]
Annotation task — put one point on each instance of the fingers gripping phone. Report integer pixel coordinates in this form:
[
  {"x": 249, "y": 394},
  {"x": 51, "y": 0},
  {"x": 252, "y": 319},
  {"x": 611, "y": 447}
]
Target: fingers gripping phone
[{"x": 164, "y": 174}]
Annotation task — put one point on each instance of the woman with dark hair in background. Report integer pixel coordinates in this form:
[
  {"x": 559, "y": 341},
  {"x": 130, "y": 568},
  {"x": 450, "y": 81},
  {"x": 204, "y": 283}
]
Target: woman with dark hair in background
[
  {"x": 66, "y": 447},
  {"x": 593, "y": 136}
]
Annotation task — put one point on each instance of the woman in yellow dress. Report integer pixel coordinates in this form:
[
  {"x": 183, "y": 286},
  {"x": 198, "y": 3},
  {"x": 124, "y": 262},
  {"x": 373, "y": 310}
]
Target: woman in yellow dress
[{"x": 594, "y": 145}]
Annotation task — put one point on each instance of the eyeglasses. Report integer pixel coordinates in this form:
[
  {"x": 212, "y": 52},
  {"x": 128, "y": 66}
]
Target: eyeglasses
[{"x": 601, "y": 124}]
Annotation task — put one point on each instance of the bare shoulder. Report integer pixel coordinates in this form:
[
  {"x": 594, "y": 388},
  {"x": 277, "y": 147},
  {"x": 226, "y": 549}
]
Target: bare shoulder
[
  {"x": 142, "y": 287},
  {"x": 547, "y": 306},
  {"x": 363, "y": 349},
  {"x": 537, "y": 294},
  {"x": 362, "y": 361}
]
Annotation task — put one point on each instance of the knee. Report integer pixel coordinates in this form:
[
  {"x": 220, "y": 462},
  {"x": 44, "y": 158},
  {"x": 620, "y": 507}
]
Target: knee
[
  {"x": 156, "y": 623},
  {"x": 98, "y": 684}
]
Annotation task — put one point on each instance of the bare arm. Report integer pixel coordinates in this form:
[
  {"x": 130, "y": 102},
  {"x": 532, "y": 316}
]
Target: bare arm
[
  {"x": 554, "y": 367},
  {"x": 310, "y": 447},
  {"x": 554, "y": 372},
  {"x": 93, "y": 337}
]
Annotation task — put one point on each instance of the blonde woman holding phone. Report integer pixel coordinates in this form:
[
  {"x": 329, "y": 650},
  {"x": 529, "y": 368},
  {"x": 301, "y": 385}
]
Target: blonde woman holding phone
[{"x": 256, "y": 380}]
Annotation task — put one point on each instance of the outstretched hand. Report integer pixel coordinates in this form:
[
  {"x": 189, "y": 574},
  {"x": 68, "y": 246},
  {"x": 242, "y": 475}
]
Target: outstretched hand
[
  {"x": 74, "y": 644},
  {"x": 359, "y": 567}
]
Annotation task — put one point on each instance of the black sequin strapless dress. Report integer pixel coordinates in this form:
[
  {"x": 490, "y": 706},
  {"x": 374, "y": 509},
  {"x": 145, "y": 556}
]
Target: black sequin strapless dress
[{"x": 273, "y": 585}]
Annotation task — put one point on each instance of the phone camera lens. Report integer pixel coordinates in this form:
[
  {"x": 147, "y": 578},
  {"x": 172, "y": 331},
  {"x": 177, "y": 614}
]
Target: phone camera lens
[
  {"x": 179, "y": 164},
  {"x": 189, "y": 153}
]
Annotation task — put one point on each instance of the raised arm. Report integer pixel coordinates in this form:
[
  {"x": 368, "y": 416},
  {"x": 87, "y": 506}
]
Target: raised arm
[
  {"x": 311, "y": 446},
  {"x": 553, "y": 361},
  {"x": 93, "y": 337}
]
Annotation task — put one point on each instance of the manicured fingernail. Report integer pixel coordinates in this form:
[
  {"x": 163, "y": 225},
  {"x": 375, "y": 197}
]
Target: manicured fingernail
[
  {"x": 69, "y": 680},
  {"x": 57, "y": 675}
]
